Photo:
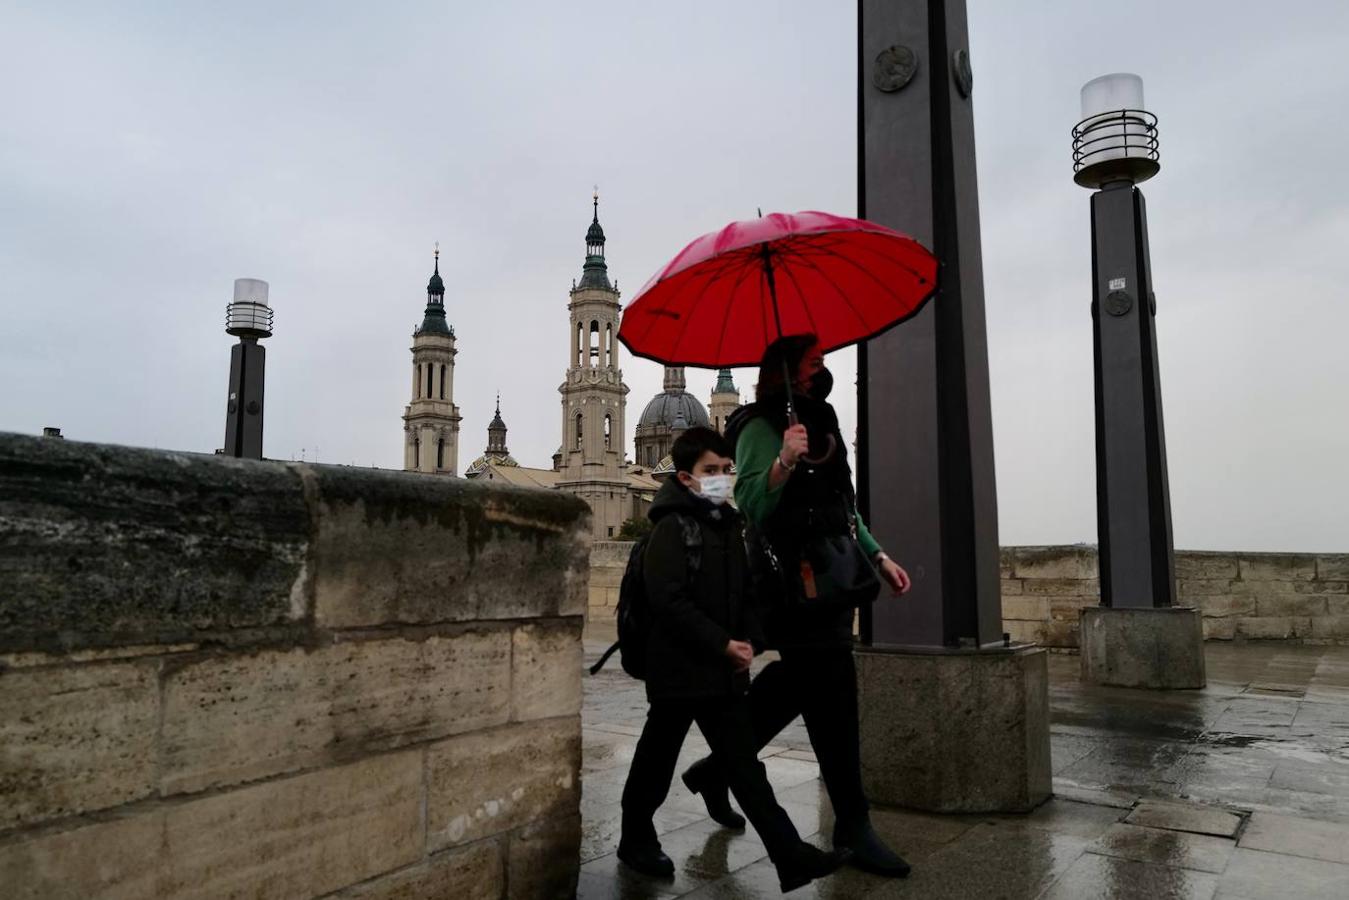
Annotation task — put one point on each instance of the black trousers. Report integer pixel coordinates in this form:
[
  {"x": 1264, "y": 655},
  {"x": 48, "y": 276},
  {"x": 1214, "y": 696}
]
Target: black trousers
[
  {"x": 725, "y": 724},
  {"x": 819, "y": 684}
]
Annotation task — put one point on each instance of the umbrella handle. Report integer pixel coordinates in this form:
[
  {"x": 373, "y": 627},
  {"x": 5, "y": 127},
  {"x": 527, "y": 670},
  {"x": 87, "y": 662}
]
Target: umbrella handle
[{"x": 824, "y": 457}]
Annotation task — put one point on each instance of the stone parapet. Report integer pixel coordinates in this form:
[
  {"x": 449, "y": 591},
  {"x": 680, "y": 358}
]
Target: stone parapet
[
  {"x": 223, "y": 677},
  {"x": 1294, "y": 597}
]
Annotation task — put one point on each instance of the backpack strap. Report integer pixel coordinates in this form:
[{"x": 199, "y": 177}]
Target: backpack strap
[{"x": 613, "y": 648}]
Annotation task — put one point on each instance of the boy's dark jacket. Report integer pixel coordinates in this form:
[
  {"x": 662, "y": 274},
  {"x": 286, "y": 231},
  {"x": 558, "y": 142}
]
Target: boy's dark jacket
[{"x": 694, "y": 615}]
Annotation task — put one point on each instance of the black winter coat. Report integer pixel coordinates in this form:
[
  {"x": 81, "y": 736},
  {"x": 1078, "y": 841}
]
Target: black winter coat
[{"x": 694, "y": 615}]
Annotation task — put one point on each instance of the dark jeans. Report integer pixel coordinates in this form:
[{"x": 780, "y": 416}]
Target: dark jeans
[
  {"x": 725, "y": 724},
  {"x": 819, "y": 684}
]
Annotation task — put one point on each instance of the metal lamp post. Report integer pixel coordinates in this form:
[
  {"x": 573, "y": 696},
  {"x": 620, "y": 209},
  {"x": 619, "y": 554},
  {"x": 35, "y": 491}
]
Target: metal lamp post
[
  {"x": 1137, "y": 637},
  {"x": 1114, "y": 149},
  {"x": 249, "y": 317}
]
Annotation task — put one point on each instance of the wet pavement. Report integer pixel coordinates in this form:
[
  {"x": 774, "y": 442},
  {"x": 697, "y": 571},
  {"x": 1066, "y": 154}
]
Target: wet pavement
[{"x": 1240, "y": 790}]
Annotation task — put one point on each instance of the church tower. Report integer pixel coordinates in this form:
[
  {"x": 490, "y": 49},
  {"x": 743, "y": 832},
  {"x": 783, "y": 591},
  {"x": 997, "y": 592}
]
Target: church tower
[
  {"x": 431, "y": 420},
  {"x": 725, "y": 400},
  {"x": 594, "y": 395}
]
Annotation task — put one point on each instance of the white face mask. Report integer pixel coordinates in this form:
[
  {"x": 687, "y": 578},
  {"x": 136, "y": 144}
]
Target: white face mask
[{"x": 716, "y": 488}]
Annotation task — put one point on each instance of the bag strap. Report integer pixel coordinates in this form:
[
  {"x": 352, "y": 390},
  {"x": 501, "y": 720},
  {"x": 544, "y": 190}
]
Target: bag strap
[{"x": 613, "y": 648}]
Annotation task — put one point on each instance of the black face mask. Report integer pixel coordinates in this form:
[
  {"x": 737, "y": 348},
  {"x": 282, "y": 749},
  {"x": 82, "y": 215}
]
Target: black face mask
[{"x": 821, "y": 385}]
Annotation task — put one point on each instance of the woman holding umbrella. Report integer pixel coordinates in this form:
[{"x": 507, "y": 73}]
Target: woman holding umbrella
[{"x": 781, "y": 291}]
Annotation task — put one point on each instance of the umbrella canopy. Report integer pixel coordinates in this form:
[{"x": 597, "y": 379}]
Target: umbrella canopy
[{"x": 731, "y": 293}]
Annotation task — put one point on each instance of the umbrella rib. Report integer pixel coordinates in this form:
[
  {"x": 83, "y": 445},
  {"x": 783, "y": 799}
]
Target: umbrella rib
[
  {"x": 846, "y": 300},
  {"x": 805, "y": 305},
  {"x": 699, "y": 299},
  {"x": 871, "y": 275}
]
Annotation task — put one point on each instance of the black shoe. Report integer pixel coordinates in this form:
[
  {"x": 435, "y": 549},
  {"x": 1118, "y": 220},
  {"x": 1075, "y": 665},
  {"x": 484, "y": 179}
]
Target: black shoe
[
  {"x": 869, "y": 852},
  {"x": 702, "y": 778},
  {"x": 806, "y": 863},
  {"x": 649, "y": 860}
]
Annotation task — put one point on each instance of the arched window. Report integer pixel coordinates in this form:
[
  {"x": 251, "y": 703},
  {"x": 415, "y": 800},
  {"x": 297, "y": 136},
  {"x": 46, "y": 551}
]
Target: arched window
[
  {"x": 417, "y": 381},
  {"x": 440, "y": 453},
  {"x": 608, "y": 344},
  {"x": 608, "y": 426},
  {"x": 442, "y": 381},
  {"x": 578, "y": 431},
  {"x": 429, "y": 374},
  {"x": 580, "y": 345},
  {"x": 594, "y": 343}
]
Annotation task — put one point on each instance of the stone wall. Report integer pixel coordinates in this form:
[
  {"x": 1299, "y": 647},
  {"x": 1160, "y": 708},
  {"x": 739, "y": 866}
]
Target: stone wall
[
  {"x": 1302, "y": 598},
  {"x": 1296, "y": 597},
  {"x": 608, "y": 559},
  {"x": 230, "y": 678}
]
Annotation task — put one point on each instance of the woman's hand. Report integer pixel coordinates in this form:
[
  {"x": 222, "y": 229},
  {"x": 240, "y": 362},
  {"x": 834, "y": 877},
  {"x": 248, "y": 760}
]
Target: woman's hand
[
  {"x": 894, "y": 575},
  {"x": 741, "y": 654},
  {"x": 795, "y": 443}
]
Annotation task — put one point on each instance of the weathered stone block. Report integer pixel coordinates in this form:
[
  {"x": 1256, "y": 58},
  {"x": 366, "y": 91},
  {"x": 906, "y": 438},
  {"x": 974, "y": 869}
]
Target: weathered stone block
[
  {"x": 1330, "y": 627},
  {"x": 1030, "y": 608},
  {"x": 1334, "y": 567},
  {"x": 1012, "y": 587},
  {"x": 1061, "y": 632},
  {"x": 1143, "y": 647},
  {"x": 1223, "y": 606},
  {"x": 231, "y": 719},
  {"x": 1062, "y": 587},
  {"x": 1197, "y": 565},
  {"x": 1071, "y": 563},
  {"x": 1276, "y": 606},
  {"x": 1337, "y": 606},
  {"x": 400, "y": 547},
  {"x": 101, "y": 545},
  {"x": 1026, "y": 631},
  {"x": 115, "y": 860},
  {"x": 1200, "y": 589},
  {"x": 1273, "y": 628},
  {"x": 547, "y": 663},
  {"x": 545, "y": 860},
  {"x": 299, "y": 837},
  {"x": 492, "y": 781},
  {"x": 955, "y": 732},
  {"x": 1321, "y": 587},
  {"x": 1219, "y": 629},
  {"x": 75, "y": 740},
  {"x": 1277, "y": 567},
  {"x": 475, "y": 872}
]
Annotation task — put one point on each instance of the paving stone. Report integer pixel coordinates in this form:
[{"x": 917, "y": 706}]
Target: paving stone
[
  {"x": 1257, "y": 874},
  {"x": 1178, "y": 849},
  {"x": 1297, "y": 837},
  {"x": 1185, "y": 817},
  {"x": 475, "y": 872},
  {"x": 542, "y": 861},
  {"x": 1109, "y": 878}
]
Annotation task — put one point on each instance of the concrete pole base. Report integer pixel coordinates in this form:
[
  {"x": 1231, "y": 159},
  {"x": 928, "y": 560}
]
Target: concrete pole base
[
  {"x": 957, "y": 731},
  {"x": 1144, "y": 647}
]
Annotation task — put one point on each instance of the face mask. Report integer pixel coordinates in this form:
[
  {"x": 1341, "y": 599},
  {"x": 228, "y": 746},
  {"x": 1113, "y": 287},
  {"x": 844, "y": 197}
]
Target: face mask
[
  {"x": 821, "y": 384},
  {"x": 716, "y": 488}
]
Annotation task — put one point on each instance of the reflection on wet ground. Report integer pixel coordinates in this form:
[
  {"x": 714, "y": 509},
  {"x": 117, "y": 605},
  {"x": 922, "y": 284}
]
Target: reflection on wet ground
[{"x": 1240, "y": 790}]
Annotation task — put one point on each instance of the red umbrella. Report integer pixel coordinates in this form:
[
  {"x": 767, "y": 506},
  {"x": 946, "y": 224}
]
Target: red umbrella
[{"x": 731, "y": 293}]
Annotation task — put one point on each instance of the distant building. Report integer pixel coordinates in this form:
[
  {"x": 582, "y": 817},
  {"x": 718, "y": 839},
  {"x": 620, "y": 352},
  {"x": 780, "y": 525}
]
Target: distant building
[{"x": 431, "y": 420}]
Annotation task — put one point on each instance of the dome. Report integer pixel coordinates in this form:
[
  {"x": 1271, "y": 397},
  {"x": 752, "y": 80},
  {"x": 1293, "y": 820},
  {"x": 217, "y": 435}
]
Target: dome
[
  {"x": 479, "y": 465},
  {"x": 668, "y": 406}
]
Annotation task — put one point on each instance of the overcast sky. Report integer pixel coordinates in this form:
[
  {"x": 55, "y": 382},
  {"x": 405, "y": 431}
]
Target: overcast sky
[{"x": 150, "y": 153}]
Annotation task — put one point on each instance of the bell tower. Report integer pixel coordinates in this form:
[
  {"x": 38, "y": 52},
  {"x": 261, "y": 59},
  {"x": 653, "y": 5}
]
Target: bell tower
[
  {"x": 431, "y": 420},
  {"x": 594, "y": 395},
  {"x": 725, "y": 400}
]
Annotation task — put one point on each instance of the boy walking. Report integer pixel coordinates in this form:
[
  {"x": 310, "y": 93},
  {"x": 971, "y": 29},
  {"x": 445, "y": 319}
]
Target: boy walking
[{"x": 704, "y": 631}]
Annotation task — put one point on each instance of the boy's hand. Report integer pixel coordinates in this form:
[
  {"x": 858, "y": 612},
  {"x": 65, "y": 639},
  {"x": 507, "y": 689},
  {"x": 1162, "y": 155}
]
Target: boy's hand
[
  {"x": 795, "y": 443},
  {"x": 740, "y": 653}
]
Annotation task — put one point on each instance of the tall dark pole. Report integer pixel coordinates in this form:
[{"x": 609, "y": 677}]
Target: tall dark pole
[
  {"x": 925, "y": 431},
  {"x": 250, "y": 318},
  {"x": 1115, "y": 146}
]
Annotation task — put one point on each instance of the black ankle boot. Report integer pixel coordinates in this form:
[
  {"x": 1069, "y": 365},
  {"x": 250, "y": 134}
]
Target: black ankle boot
[
  {"x": 869, "y": 852},
  {"x": 703, "y": 778},
  {"x": 806, "y": 863},
  {"x": 648, "y": 859}
]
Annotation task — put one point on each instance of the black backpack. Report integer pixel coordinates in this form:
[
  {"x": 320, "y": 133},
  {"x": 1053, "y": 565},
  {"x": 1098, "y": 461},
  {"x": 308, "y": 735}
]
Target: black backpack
[{"x": 633, "y": 612}]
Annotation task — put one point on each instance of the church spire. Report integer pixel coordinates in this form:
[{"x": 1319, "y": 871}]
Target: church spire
[
  {"x": 496, "y": 433},
  {"x": 595, "y": 273},
  {"x": 724, "y": 383},
  {"x": 434, "y": 319}
]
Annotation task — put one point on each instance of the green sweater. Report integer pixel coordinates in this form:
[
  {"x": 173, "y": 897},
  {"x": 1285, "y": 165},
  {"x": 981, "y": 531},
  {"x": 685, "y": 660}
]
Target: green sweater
[{"x": 759, "y": 444}]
